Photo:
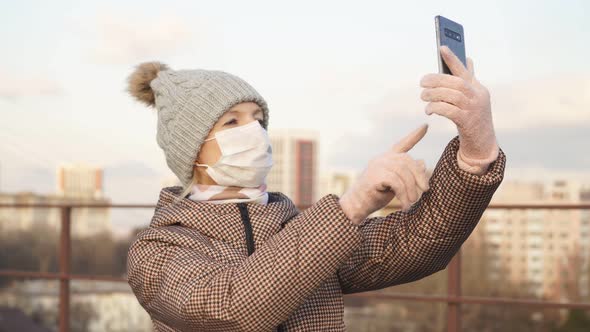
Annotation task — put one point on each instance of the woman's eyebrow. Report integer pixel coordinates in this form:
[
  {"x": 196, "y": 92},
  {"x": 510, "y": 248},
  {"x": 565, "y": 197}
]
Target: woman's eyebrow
[{"x": 258, "y": 110}]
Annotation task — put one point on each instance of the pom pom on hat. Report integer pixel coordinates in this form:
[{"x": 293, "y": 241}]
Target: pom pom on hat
[{"x": 139, "y": 81}]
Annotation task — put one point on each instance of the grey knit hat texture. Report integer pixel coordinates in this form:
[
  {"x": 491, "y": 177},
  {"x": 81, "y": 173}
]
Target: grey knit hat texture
[{"x": 189, "y": 102}]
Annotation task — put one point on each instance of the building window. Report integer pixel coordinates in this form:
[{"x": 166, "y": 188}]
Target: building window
[{"x": 304, "y": 172}]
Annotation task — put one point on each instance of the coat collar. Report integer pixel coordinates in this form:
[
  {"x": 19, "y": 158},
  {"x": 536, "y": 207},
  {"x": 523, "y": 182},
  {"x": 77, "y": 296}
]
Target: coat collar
[{"x": 223, "y": 221}]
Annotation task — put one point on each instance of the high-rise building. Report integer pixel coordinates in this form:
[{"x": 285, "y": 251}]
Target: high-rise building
[
  {"x": 544, "y": 250},
  {"x": 79, "y": 180},
  {"x": 84, "y": 221},
  {"x": 295, "y": 164},
  {"x": 80, "y": 183},
  {"x": 336, "y": 182}
]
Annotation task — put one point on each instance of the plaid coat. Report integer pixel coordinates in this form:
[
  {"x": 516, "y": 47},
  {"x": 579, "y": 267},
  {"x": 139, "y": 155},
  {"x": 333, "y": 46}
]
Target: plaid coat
[{"x": 253, "y": 267}]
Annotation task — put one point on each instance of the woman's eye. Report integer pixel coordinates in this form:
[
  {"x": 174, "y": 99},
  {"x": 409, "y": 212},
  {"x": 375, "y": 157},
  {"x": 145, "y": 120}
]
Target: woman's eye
[{"x": 233, "y": 121}]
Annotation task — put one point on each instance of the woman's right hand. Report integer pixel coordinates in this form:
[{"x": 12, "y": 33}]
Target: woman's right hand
[{"x": 393, "y": 173}]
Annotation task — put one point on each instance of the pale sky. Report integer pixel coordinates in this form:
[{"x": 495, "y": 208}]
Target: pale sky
[{"x": 347, "y": 69}]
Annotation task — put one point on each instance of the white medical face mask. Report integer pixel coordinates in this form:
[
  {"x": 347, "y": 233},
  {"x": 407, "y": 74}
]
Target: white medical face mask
[{"x": 246, "y": 156}]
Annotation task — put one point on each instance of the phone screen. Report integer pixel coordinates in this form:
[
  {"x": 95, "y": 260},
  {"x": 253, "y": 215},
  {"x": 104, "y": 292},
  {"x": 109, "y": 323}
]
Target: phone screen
[{"x": 449, "y": 33}]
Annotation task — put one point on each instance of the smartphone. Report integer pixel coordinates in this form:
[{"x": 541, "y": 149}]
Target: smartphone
[{"x": 449, "y": 33}]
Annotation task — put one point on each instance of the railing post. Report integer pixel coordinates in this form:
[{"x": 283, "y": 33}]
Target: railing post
[
  {"x": 64, "y": 269},
  {"x": 454, "y": 291}
]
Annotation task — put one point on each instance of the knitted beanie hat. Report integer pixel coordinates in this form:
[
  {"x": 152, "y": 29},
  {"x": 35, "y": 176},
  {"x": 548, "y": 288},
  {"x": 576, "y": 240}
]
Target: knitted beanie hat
[{"x": 188, "y": 103}]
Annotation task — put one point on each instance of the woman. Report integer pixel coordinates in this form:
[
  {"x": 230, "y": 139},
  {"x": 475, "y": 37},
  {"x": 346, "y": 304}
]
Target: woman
[{"x": 223, "y": 254}]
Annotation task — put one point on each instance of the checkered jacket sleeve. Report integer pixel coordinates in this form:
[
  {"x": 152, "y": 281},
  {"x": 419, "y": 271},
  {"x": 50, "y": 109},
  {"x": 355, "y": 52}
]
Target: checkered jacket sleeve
[
  {"x": 180, "y": 278},
  {"x": 406, "y": 246}
]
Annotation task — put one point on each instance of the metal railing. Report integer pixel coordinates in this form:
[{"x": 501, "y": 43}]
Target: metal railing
[{"x": 453, "y": 298}]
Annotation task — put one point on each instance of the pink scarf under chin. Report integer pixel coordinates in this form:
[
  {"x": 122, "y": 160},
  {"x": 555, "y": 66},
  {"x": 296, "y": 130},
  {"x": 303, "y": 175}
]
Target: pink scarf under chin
[{"x": 225, "y": 194}]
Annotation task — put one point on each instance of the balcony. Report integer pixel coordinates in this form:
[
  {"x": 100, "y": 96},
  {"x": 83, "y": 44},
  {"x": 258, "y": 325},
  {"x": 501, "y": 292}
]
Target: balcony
[{"x": 450, "y": 305}]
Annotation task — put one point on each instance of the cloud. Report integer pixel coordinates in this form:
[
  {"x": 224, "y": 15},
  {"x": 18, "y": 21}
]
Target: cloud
[
  {"x": 550, "y": 101},
  {"x": 13, "y": 86},
  {"x": 130, "y": 168},
  {"x": 132, "y": 181},
  {"x": 551, "y": 147},
  {"x": 20, "y": 177},
  {"x": 123, "y": 39},
  {"x": 540, "y": 124}
]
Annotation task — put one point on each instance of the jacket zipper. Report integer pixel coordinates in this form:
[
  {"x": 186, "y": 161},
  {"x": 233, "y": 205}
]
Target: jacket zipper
[
  {"x": 250, "y": 240},
  {"x": 247, "y": 227}
]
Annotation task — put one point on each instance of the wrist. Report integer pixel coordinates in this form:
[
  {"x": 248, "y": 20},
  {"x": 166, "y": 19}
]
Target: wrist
[
  {"x": 351, "y": 209},
  {"x": 473, "y": 169},
  {"x": 478, "y": 162},
  {"x": 478, "y": 147}
]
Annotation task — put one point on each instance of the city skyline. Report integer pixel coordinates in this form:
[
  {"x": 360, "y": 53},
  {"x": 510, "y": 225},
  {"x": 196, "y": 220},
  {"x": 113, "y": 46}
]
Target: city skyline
[{"x": 346, "y": 73}]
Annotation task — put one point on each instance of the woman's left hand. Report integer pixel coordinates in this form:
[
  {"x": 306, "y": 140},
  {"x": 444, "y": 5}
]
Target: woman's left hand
[{"x": 464, "y": 100}]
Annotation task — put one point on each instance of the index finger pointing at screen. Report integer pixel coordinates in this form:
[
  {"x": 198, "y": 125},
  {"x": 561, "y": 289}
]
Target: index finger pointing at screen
[{"x": 408, "y": 142}]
